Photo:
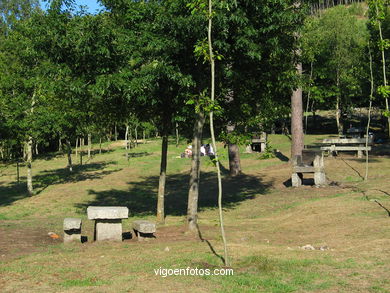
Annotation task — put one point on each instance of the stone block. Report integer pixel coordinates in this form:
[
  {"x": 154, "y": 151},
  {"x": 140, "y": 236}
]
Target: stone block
[
  {"x": 144, "y": 229},
  {"x": 319, "y": 179},
  {"x": 72, "y": 230},
  {"x": 144, "y": 226},
  {"x": 107, "y": 213},
  {"x": 108, "y": 229},
  {"x": 296, "y": 179},
  {"x": 72, "y": 223}
]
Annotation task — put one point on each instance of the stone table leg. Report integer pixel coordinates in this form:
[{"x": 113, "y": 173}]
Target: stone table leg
[
  {"x": 319, "y": 179},
  {"x": 296, "y": 179},
  {"x": 108, "y": 230}
]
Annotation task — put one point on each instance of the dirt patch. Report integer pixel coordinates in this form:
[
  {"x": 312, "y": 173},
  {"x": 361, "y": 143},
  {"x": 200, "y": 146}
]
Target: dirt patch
[{"x": 14, "y": 243}]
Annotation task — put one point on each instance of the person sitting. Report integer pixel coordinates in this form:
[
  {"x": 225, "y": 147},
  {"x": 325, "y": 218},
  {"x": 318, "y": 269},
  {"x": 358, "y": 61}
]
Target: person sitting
[
  {"x": 188, "y": 152},
  {"x": 202, "y": 150}
]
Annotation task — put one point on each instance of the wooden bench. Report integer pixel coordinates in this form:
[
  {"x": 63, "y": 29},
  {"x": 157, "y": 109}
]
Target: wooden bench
[
  {"x": 311, "y": 161},
  {"x": 333, "y": 145}
]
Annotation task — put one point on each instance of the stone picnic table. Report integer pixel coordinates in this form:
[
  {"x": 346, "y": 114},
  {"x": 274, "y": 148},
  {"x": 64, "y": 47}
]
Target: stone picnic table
[
  {"x": 346, "y": 144},
  {"x": 108, "y": 221}
]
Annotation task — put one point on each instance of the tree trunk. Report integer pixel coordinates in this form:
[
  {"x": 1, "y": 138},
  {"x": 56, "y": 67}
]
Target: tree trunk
[
  {"x": 17, "y": 171},
  {"x": 30, "y": 188},
  {"x": 234, "y": 155},
  {"x": 212, "y": 97},
  {"x": 162, "y": 179},
  {"x": 338, "y": 111},
  {"x": 136, "y": 136},
  {"x": 143, "y": 136},
  {"x": 127, "y": 142},
  {"x": 296, "y": 119},
  {"x": 308, "y": 96},
  {"x": 60, "y": 145},
  {"x": 69, "y": 151},
  {"x": 177, "y": 133},
  {"x": 369, "y": 110},
  {"x": 36, "y": 148},
  {"x": 77, "y": 142},
  {"x": 89, "y": 145},
  {"x": 116, "y": 132},
  {"x": 100, "y": 145},
  {"x": 193, "y": 192}
]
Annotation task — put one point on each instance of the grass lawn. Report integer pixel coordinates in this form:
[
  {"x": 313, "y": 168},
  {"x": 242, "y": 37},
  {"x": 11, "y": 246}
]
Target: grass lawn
[{"x": 267, "y": 223}]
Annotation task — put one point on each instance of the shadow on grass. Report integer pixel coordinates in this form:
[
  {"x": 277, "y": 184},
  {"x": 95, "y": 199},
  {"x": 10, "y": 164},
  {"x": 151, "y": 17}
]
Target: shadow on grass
[
  {"x": 141, "y": 197},
  {"x": 15, "y": 191}
]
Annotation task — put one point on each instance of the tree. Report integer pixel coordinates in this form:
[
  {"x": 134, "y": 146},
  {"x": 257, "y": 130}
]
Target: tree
[
  {"x": 339, "y": 77},
  {"x": 377, "y": 12}
]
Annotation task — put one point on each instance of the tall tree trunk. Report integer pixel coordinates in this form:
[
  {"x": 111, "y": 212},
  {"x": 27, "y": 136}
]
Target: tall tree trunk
[
  {"x": 76, "y": 150},
  {"x": 234, "y": 154},
  {"x": 308, "y": 96},
  {"x": 177, "y": 134},
  {"x": 60, "y": 145},
  {"x": 193, "y": 192},
  {"x": 100, "y": 145},
  {"x": 338, "y": 110},
  {"x": 69, "y": 152},
  {"x": 127, "y": 141},
  {"x": 136, "y": 136},
  {"x": 36, "y": 148},
  {"x": 296, "y": 119},
  {"x": 115, "y": 132},
  {"x": 89, "y": 145},
  {"x": 143, "y": 137},
  {"x": 162, "y": 179},
  {"x": 212, "y": 96},
  {"x": 369, "y": 110},
  {"x": 30, "y": 188}
]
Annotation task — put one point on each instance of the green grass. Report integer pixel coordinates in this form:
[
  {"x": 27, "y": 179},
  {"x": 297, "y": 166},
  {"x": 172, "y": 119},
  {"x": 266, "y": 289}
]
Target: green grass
[{"x": 263, "y": 219}]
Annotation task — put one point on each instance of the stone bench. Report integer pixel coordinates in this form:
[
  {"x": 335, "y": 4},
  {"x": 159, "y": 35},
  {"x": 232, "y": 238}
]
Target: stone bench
[
  {"x": 144, "y": 229},
  {"x": 311, "y": 161},
  {"x": 108, "y": 222},
  {"x": 72, "y": 230}
]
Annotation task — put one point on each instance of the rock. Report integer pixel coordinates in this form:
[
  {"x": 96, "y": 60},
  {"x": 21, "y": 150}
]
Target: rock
[
  {"x": 110, "y": 230},
  {"x": 72, "y": 230},
  {"x": 308, "y": 247},
  {"x": 95, "y": 212},
  {"x": 144, "y": 226},
  {"x": 72, "y": 223}
]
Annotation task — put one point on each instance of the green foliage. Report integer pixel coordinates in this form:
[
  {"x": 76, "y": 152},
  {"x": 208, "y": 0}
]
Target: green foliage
[{"x": 334, "y": 43}]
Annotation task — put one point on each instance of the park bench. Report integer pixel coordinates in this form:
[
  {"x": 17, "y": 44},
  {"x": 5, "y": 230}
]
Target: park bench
[
  {"x": 333, "y": 145},
  {"x": 311, "y": 161},
  {"x": 144, "y": 229},
  {"x": 108, "y": 222},
  {"x": 72, "y": 230}
]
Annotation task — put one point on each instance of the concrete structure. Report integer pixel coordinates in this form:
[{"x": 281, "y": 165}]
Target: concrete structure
[
  {"x": 72, "y": 230},
  {"x": 108, "y": 222},
  {"x": 310, "y": 162},
  {"x": 144, "y": 229},
  {"x": 333, "y": 145}
]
